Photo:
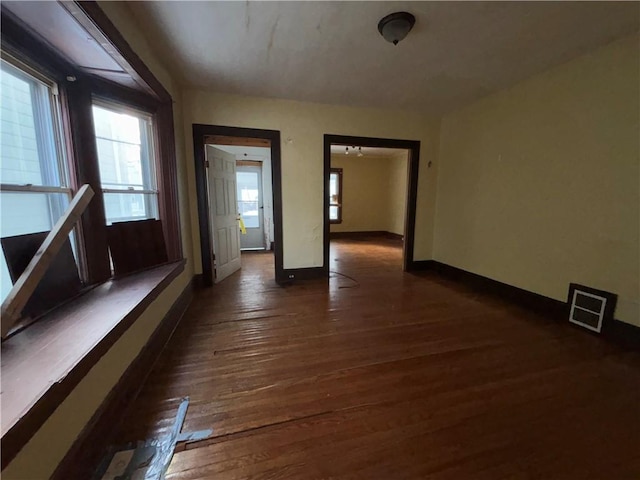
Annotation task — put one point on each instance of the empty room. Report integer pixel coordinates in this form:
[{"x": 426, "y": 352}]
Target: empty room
[{"x": 377, "y": 240}]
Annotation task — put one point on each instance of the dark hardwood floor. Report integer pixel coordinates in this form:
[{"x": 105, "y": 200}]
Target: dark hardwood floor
[{"x": 387, "y": 375}]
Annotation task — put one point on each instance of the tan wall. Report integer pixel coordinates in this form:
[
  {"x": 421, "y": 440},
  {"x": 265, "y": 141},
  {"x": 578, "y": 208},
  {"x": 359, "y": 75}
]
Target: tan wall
[
  {"x": 40, "y": 456},
  {"x": 302, "y": 160},
  {"x": 365, "y": 193},
  {"x": 398, "y": 185},
  {"x": 373, "y": 194},
  {"x": 539, "y": 184}
]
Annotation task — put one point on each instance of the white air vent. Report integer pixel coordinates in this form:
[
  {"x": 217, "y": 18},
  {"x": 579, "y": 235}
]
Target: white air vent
[{"x": 590, "y": 307}]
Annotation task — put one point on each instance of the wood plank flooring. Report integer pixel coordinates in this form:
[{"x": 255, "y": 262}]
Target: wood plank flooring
[{"x": 389, "y": 375}]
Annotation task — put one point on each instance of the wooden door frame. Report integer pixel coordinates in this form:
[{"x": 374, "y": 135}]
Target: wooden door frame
[
  {"x": 412, "y": 188},
  {"x": 200, "y": 131}
]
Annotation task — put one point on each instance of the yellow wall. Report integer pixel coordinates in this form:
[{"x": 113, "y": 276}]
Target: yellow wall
[
  {"x": 398, "y": 185},
  {"x": 365, "y": 190},
  {"x": 41, "y": 455},
  {"x": 373, "y": 193},
  {"x": 302, "y": 160},
  {"x": 539, "y": 184}
]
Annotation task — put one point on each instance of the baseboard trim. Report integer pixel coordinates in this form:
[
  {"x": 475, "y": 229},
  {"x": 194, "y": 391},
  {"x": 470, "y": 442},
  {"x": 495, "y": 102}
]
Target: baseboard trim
[
  {"x": 420, "y": 265},
  {"x": 198, "y": 281},
  {"x": 361, "y": 235},
  {"x": 549, "y": 307},
  {"x": 622, "y": 333},
  {"x": 86, "y": 451},
  {"x": 290, "y": 275}
]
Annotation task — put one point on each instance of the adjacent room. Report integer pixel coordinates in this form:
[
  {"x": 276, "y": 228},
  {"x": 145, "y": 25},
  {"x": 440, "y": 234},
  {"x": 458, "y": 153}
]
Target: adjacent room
[
  {"x": 368, "y": 189},
  {"x": 320, "y": 240}
]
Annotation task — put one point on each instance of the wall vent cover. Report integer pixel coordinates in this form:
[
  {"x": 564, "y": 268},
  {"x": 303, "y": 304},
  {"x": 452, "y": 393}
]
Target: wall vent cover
[{"x": 590, "y": 308}]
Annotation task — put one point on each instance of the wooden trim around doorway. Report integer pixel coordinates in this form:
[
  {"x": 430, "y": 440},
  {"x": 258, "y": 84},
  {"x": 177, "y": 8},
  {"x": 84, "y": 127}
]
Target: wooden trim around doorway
[
  {"x": 202, "y": 134},
  {"x": 412, "y": 188}
]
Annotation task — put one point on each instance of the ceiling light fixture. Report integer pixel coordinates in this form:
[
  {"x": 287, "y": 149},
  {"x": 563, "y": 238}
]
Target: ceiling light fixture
[
  {"x": 346, "y": 151},
  {"x": 396, "y": 26},
  {"x": 359, "y": 151}
]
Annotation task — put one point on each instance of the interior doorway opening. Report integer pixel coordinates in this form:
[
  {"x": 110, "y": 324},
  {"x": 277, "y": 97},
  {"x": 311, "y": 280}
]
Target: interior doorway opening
[
  {"x": 368, "y": 195},
  {"x": 371, "y": 187},
  {"x": 240, "y": 200},
  {"x": 239, "y": 197}
]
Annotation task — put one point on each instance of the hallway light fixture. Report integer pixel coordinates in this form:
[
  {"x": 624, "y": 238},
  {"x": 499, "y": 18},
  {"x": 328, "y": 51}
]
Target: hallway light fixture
[
  {"x": 359, "y": 151},
  {"x": 346, "y": 152},
  {"x": 396, "y": 26}
]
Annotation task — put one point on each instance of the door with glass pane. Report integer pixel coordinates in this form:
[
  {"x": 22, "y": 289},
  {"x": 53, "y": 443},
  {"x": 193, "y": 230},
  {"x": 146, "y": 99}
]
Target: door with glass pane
[{"x": 250, "y": 206}]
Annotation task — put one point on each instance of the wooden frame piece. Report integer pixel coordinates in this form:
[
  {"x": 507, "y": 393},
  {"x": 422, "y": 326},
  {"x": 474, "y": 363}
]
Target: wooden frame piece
[
  {"x": 239, "y": 141},
  {"x": 412, "y": 189},
  {"x": 201, "y": 136},
  {"x": 28, "y": 281}
]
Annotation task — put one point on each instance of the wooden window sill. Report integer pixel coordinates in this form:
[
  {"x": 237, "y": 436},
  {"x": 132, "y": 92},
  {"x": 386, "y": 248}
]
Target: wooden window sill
[{"x": 43, "y": 364}]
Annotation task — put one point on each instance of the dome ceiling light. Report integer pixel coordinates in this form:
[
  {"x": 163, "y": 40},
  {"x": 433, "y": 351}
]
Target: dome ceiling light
[{"x": 396, "y": 26}]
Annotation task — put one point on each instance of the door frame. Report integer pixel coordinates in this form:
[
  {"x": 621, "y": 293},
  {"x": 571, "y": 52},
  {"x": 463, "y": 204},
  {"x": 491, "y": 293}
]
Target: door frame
[
  {"x": 412, "y": 188},
  {"x": 200, "y": 131}
]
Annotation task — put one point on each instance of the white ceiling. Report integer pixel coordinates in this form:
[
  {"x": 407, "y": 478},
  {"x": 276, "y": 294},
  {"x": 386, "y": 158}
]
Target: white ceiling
[{"x": 331, "y": 52}]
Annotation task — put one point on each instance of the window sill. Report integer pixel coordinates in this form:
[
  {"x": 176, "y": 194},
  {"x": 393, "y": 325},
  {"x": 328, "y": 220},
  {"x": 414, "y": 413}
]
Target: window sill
[{"x": 42, "y": 364}]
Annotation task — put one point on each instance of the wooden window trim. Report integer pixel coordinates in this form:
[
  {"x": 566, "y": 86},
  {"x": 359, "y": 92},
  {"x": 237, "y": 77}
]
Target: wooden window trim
[
  {"x": 76, "y": 99},
  {"x": 337, "y": 171}
]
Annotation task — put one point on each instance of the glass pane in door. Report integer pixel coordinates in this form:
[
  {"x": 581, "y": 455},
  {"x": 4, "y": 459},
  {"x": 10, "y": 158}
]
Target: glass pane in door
[{"x": 248, "y": 195}]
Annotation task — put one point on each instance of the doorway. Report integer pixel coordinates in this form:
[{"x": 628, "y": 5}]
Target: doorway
[
  {"x": 218, "y": 194},
  {"x": 334, "y": 193},
  {"x": 367, "y": 197},
  {"x": 251, "y": 206}
]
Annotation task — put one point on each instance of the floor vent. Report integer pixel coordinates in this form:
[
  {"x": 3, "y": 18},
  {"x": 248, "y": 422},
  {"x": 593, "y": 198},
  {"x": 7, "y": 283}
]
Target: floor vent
[{"x": 590, "y": 308}]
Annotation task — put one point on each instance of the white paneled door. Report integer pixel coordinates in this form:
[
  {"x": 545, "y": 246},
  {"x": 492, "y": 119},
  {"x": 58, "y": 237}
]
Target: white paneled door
[{"x": 223, "y": 209}]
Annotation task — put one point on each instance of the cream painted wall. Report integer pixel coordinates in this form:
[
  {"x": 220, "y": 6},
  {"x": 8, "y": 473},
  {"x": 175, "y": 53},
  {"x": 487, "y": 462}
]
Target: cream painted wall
[
  {"x": 373, "y": 193},
  {"x": 41, "y": 455},
  {"x": 398, "y": 184},
  {"x": 302, "y": 160},
  {"x": 539, "y": 184}
]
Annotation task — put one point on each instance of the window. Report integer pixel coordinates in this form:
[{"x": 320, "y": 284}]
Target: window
[
  {"x": 64, "y": 125},
  {"x": 126, "y": 161},
  {"x": 34, "y": 186},
  {"x": 335, "y": 195}
]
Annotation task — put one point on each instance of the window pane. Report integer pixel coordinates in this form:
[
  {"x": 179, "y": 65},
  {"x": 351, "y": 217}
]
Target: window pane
[
  {"x": 120, "y": 165},
  {"x": 28, "y": 212},
  {"x": 123, "y": 149},
  {"x": 333, "y": 186},
  {"x": 248, "y": 196},
  {"x": 123, "y": 207},
  {"x": 333, "y": 213},
  {"x": 125, "y": 157},
  {"x": 27, "y": 138},
  {"x": 29, "y": 155}
]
